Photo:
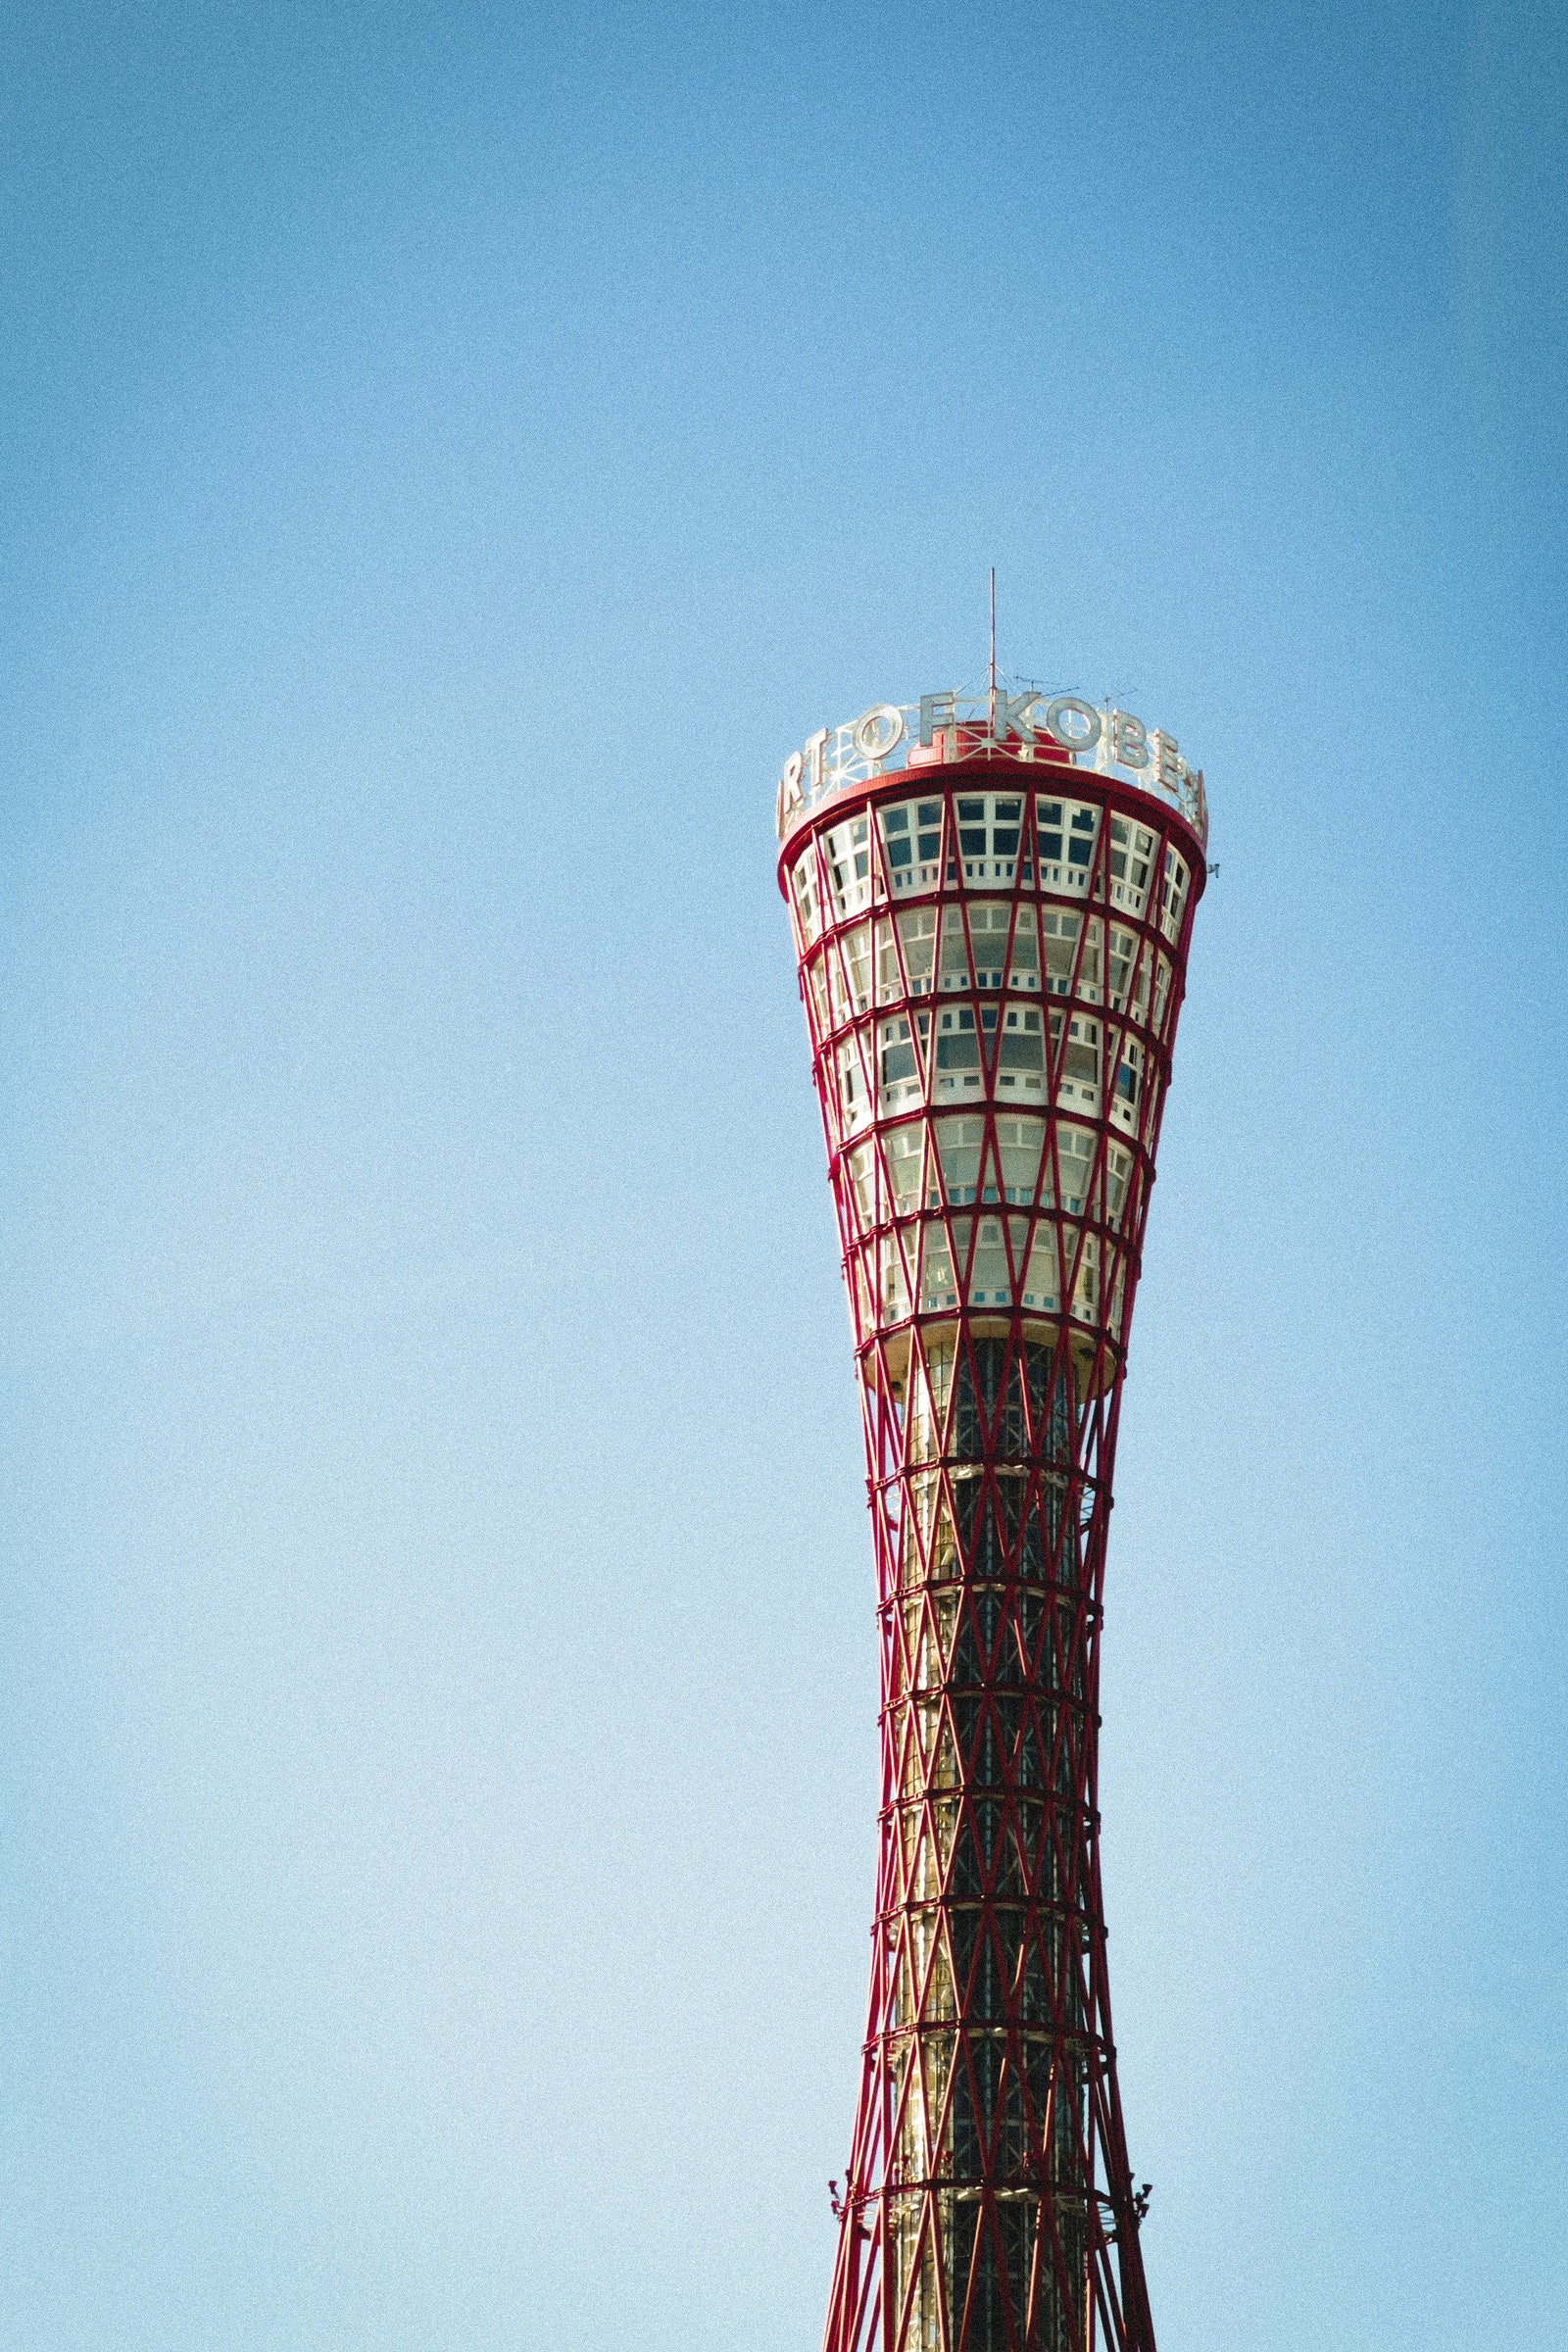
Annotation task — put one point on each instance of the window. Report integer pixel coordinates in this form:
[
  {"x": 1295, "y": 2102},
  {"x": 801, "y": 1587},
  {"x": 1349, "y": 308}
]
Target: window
[
  {"x": 1129, "y": 971},
  {"x": 1023, "y": 1044},
  {"x": 937, "y": 1286},
  {"x": 1061, "y": 949},
  {"x": 954, "y": 950},
  {"x": 1086, "y": 1296},
  {"x": 1176, "y": 881},
  {"x": 857, "y": 965},
  {"x": 833, "y": 960},
  {"x": 988, "y": 923},
  {"x": 887, "y": 1280},
  {"x": 1132, "y": 847},
  {"x": 896, "y": 836},
  {"x": 958, "y": 1144},
  {"x": 1129, "y": 1082},
  {"x": 889, "y": 978},
  {"x": 849, "y": 864},
  {"x": 1043, "y": 1277},
  {"x": 957, "y": 1048},
  {"x": 1119, "y": 1173},
  {"x": 899, "y": 1067},
  {"x": 1083, "y": 1051},
  {"x": 1019, "y": 1142},
  {"x": 906, "y": 1148},
  {"x": 898, "y": 1056},
  {"x": 804, "y": 883},
  {"x": 1161, "y": 993},
  {"x": 990, "y": 834},
  {"x": 989, "y": 1284},
  {"x": 917, "y": 937},
  {"x": 853, "y": 1104},
  {"x": 862, "y": 1184},
  {"x": 1080, "y": 1063},
  {"x": 1081, "y": 838},
  {"x": 1075, "y": 1158},
  {"x": 911, "y": 840},
  {"x": 958, "y": 1052},
  {"x": 1025, "y": 961},
  {"x": 1071, "y": 824}
]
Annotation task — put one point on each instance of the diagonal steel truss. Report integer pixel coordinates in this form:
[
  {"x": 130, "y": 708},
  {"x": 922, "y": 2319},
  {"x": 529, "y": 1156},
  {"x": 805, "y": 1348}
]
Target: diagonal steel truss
[{"x": 988, "y": 2204}]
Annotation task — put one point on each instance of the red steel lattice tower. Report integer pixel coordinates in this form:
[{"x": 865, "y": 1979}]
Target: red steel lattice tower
[{"x": 991, "y": 903}]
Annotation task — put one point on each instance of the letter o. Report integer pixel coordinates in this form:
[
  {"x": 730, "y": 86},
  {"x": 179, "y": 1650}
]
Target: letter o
[
  {"x": 879, "y": 731},
  {"x": 1079, "y": 709}
]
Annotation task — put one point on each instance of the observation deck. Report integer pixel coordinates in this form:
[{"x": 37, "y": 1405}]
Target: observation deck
[{"x": 991, "y": 920}]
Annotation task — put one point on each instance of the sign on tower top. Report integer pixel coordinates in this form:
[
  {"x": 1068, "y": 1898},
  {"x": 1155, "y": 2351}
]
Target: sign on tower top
[{"x": 999, "y": 724}]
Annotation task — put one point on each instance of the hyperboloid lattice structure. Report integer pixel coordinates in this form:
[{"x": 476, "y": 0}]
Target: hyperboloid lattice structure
[{"x": 992, "y": 933}]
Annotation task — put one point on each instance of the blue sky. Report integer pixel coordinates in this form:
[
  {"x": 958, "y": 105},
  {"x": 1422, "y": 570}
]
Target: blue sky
[{"x": 449, "y": 458}]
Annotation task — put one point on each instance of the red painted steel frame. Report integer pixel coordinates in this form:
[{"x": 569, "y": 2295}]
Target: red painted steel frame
[{"x": 990, "y": 1268}]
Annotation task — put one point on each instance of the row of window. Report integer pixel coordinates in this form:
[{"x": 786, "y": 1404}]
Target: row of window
[
  {"x": 989, "y": 944},
  {"x": 1033, "y": 1262},
  {"x": 948, "y": 1160},
  {"x": 986, "y": 1052},
  {"x": 988, "y": 838}
]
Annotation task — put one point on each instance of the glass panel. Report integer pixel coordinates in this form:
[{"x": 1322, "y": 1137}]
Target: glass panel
[
  {"x": 954, "y": 952},
  {"x": 905, "y": 1151},
  {"x": 1075, "y": 1154},
  {"x": 1061, "y": 949},
  {"x": 857, "y": 963},
  {"x": 959, "y": 1146},
  {"x": 917, "y": 932},
  {"x": 1020, "y": 1142}
]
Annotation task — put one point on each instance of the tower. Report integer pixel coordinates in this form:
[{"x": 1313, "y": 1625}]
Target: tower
[{"x": 990, "y": 899}]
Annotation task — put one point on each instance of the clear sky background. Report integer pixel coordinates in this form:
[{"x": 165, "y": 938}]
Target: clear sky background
[{"x": 448, "y": 457}]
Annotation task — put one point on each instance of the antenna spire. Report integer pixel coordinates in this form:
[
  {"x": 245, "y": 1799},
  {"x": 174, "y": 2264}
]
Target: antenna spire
[{"x": 992, "y": 649}]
